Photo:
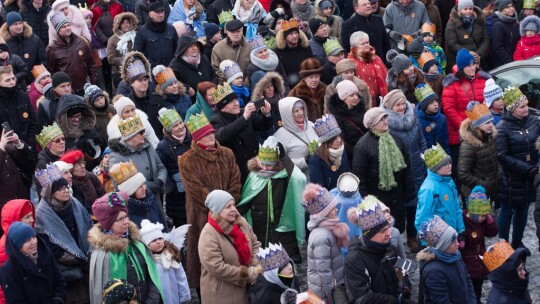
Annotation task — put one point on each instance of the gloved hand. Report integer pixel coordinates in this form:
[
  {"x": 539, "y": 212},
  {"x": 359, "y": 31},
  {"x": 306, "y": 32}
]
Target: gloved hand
[
  {"x": 489, "y": 219},
  {"x": 282, "y": 152},
  {"x": 395, "y": 36},
  {"x": 533, "y": 171},
  {"x": 406, "y": 287}
]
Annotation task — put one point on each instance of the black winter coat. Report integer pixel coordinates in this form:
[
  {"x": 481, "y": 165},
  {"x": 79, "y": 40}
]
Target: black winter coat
[
  {"x": 216, "y": 8},
  {"x": 369, "y": 273},
  {"x": 326, "y": 175},
  {"x": 157, "y": 42},
  {"x": 15, "y": 108},
  {"x": 517, "y": 155},
  {"x": 25, "y": 282},
  {"x": 504, "y": 38},
  {"x": 141, "y": 10},
  {"x": 189, "y": 74},
  {"x": 264, "y": 292},
  {"x": 238, "y": 134},
  {"x": 37, "y": 20},
  {"x": 373, "y": 26},
  {"x": 150, "y": 105},
  {"x": 46, "y": 110}
]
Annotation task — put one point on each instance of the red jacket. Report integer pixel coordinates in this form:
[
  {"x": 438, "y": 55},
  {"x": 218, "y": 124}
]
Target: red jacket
[
  {"x": 527, "y": 47},
  {"x": 372, "y": 71},
  {"x": 457, "y": 93}
]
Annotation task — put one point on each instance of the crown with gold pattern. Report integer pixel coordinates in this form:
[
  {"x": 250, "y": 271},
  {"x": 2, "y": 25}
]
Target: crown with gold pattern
[
  {"x": 428, "y": 28},
  {"x": 478, "y": 113},
  {"x": 196, "y": 122},
  {"x": 224, "y": 17},
  {"x": 47, "y": 134},
  {"x": 332, "y": 47},
  {"x": 168, "y": 118},
  {"x": 370, "y": 214},
  {"x": 424, "y": 58},
  {"x": 130, "y": 127},
  {"x": 269, "y": 152},
  {"x": 48, "y": 175},
  {"x": 222, "y": 91},
  {"x": 434, "y": 230},
  {"x": 497, "y": 254},
  {"x": 435, "y": 157},
  {"x": 287, "y": 25},
  {"x": 273, "y": 257},
  {"x": 513, "y": 98},
  {"x": 123, "y": 171}
]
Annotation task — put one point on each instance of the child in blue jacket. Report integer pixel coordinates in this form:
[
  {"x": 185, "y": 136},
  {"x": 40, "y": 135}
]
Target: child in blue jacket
[{"x": 433, "y": 122}]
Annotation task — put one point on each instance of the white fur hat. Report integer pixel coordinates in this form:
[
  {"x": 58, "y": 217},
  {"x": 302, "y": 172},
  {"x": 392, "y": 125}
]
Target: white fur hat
[
  {"x": 150, "y": 231},
  {"x": 121, "y": 103},
  {"x": 59, "y": 4}
]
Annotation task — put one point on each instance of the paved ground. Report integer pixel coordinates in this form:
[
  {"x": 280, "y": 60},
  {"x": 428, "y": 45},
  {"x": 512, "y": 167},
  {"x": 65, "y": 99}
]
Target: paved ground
[{"x": 533, "y": 265}]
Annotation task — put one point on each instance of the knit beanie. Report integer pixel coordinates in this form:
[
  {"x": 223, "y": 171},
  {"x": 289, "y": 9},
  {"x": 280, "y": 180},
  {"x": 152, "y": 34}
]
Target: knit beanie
[
  {"x": 345, "y": 65},
  {"x": 436, "y": 158},
  {"x": 58, "y": 184},
  {"x": 392, "y": 97},
  {"x": 325, "y": 4},
  {"x": 58, "y": 20},
  {"x": 107, "y": 207},
  {"x": 92, "y": 92},
  {"x": 60, "y": 77},
  {"x": 478, "y": 113},
  {"x": 428, "y": 65},
  {"x": 210, "y": 29},
  {"x": 464, "y": 4},
  {"x": 26, "y": 208},
  {"x": 346, "y": 88},
  {"x": 373, "y": 116},
  {"x": 121, "y": 103},
  {"x": 501, "y": 4},
  {"x": 150, "y": 231},
  {"x": 217, "y": 199},
  {"x": 464, "y": 59},
  {"x": 314, "y": 25},
  {"x": 492, "y": 92},
  {"x": 399, "y": 61},
  {"x": 416, "y": 46},
  {"x": 13, "y": 17},
  {"x": 116, "y": 290},
  {"x": 19, "y": 233}
]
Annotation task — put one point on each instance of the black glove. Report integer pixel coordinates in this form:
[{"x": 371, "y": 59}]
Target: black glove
[
  {"x": 282, "y": 152},
  {"x": 395, "y": 36},
  {"x": 533, "y": 171},
  {"x": 406, "y": 287}
]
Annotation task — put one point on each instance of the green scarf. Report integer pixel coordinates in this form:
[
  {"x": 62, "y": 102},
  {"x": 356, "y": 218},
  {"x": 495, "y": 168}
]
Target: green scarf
[
  {"x": 292, "y": 215},
  {"x": 390, "y": 160},
  {"x": 118, "y": 262}
]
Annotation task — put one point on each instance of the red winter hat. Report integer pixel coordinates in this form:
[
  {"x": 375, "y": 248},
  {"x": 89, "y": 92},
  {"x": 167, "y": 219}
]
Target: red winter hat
[
  {"x": 72, "y": 157},
  {"x": 107, "y": 207}
]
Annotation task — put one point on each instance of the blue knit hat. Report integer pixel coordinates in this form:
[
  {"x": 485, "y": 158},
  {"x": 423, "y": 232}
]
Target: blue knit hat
[
  {"x": 13, "y": 17},
  {"x": 464, "y": 59},
  {"x": 19, "y": 233},
  {"x": 210, "y": 29}
]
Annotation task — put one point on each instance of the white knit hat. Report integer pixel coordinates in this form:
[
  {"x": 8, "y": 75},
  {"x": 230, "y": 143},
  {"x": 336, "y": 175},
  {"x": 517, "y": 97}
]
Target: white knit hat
[
  {"x": 492, "y": 92},
  {"x": 121, "y": 103},
  {"x": 346, "y": 88},
  {"x": 63, "y": 166},
  {"x": 150, "y": 231}
]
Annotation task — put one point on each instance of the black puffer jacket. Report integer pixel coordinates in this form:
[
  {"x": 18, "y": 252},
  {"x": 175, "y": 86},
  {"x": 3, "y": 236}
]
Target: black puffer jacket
[
  {"x": 504, "y": 38},
  {"x": 265, "y": 292},
  {"x": 157, "y": 41},
  {"x": 15, "y": 108},
  {"x": 37, "y": 20},
  {"x": 369, "y": 274},
  {"x": 189, "y": 74},
  {"x": 517, "y": 155}
]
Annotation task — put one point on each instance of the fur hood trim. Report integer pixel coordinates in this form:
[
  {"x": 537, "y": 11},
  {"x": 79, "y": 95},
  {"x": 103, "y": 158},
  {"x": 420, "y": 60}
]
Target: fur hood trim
[
  {"x": 106, "y": 242},
  {"x": 281, "y": 44},
  {"x": 253, "y": 165},
  {"x": 118, "y": 20},
  {"x": 4, "y": 31},
  {"x": 526, "y": 21},
  {"x": 474, "y": 137},
  {"x": 451, "y": 78},
  {"x": 270, "y": 77},
  {"x": 537, "y": 144},
  {"x": 88, "y": 121},
  {"x": 130, "y": 57},
  {"x": 405, "y": 122},
  {"x": 425, "y": 256}
]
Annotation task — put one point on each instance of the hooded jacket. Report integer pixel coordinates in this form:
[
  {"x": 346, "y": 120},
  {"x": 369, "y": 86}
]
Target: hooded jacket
[
  {"x": 291, "y": 58},
  {"x": 527, "y": 47},
  {"x": 404, "y": 19},
  {"x": 114, "y": 56},
  {"x": 200, "y": 106},
  {"x": 77, "y": 22},
  {"x": 504, "y": 38},
  {"x": 190, "y": 75},
  {"x": 11, "y": 212},
  {"x": 400, "y": 81},
  {"x": 334, "y": 21},
  {"x": 507, "y": 287},
  {"x": 475, "y": 244},
  {"x": 434, "y": 128}
]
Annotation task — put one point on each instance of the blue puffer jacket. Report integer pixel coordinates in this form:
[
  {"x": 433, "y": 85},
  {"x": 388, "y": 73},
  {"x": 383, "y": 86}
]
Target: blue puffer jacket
[
  {"x": 434, "y": 127},
  {"x": 407, "y": 128},
  {"x": 507, "y": 286},
  {"x": 517, "y": 155},
  {"x": 321, "y": 173}
]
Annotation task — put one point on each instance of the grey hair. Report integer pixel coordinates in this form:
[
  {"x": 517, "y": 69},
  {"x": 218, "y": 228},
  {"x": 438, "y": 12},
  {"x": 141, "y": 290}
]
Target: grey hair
[{"x": 356, "y": 37}]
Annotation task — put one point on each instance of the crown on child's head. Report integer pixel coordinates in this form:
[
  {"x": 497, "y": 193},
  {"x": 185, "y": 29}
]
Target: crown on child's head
[
  {"x": 269, "y": 151},
  {"x": 273, "y": 257}
]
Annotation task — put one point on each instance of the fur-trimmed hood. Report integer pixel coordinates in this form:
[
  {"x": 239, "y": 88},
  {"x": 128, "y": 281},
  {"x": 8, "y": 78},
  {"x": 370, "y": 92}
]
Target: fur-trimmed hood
[
  {"x": 528, "y": 20},
  {"x": 303, "y": 40},
  {"x": 128, "y": 59},
  {"x": 474, "y": 137},
  {"x": 320, "y": 14},
  {"x": 118, "y": 21},
  {"x": 88, "y": 120},
  {"x": 106, "y": 242},
  {"x": 425, "y": 256},
  {"x": 4, "y": 31},
  {"x": 451, "y": 78},
  {"x": 399, "y": 122},
  {"x": 270, "y": 77}
]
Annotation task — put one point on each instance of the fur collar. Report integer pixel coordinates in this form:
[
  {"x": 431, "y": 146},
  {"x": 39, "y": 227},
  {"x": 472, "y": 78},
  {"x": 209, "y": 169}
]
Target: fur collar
[
  {"x": 537, "y": 144},
  {"x": 425, "y": 256},
  {"x": 207, "y": 155},
  {"x": 4, "y": 31},
  {"x": 303, "y": 41},
  {"x": 451, "y": 78},
  {"x": 253, "y": 166},
  {"x": 474, "y": 137},
  {"x": 116, "y": 145},
  {"x": 106, "y": 242},
  {"x": 128, "y": 58},
  {"x": 270, "y": 77},
  {"x": 404, "y": 122},
  {"x": 88, "y": 121},
  {"x": 305, "y": 93}
]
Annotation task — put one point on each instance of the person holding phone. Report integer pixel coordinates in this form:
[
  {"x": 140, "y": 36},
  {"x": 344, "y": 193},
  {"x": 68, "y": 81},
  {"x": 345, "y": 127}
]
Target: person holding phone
[{"x": 12, "y": 150}]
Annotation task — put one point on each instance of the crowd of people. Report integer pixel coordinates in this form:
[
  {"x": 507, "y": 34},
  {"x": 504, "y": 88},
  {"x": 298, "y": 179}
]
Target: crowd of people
[{"x": 153, "y": 147}]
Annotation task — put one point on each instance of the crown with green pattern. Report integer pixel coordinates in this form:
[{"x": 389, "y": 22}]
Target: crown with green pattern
[
  {"x": 478, "y": 202},
  {"x": 269, "y": 152},
  {"x": 196, "y": 122},
  {"x": 529, "y": 4},
  {"x": 168, "y": 118},
  {"x": 224, "y": 17},
  {"x": 332, "y": 47},
  {"x": 513, "y": 98},
  {"x": 435, "y": 158},
  {"x": 48, "y": 134},
  {"x": 423, "y": 92}
]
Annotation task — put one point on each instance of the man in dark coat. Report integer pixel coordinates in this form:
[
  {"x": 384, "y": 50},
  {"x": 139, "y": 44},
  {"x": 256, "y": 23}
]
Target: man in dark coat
[
  {"x": 13, "y": 151},
  {"x": 368, "y": 23},
  {"x": 141, "y": 10},
  {"x": 156, "y": 39},
  {"x": 46, "y": 109},
  {"x": 34, "y": 13}
]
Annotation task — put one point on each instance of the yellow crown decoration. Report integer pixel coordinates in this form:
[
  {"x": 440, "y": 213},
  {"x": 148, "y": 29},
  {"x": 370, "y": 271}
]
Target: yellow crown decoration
[
  {"x": 196, "y": 121},
  {"x": 289, "y": 24},
  {"x": 123, "y": 171},
  {"x": 428, "y": 28},
  {"x": 512, "y": 98},
  {"x": 165, "y": 76},
  {"x": 47, "y": 134},
  {"x": 331, "y": 46},
  {"x": 435, "y": 157},
  {"x": 269, "y": 151},
  {"x": 222, "y": 91},
  {"x": 424, "y": 58},
  {"x": 497, "y": 254},
  {"x": 224, "y": 17},
  {"x": 130, "y": 126}
]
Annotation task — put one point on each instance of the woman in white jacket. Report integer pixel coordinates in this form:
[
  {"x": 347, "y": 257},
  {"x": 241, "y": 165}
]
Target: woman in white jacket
[{"x": 74, "y": 16}]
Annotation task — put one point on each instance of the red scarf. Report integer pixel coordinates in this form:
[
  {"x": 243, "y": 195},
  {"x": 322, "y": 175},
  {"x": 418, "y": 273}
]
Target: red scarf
[{"x": 240, "y": 241}]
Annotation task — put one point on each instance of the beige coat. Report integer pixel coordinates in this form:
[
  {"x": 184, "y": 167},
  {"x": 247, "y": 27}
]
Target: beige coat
[
  {"x": 223, "y": 278},
  {"x": 223, "y": 50}
]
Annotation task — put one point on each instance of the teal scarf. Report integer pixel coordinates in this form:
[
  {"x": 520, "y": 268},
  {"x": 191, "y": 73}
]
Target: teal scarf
[{"x": 390, "y": 160}]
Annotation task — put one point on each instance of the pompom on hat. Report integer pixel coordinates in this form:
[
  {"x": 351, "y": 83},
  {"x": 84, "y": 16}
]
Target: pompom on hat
[
  {"x": 164, "y": 76},
  {"x": 107, "y": 208},
  {"x": 317, "y": 201},
  {"x": 478, "y": 202},
  {"x": 435, "y": 158},
  {"x": 399, "y": 61},
  {"x": 492, "y": 92},
  {"x": 478, "y": 113},
  {"x": 437, "y": 233},
  {"x": 150, "y": 231},
  {"x": 368, "y": 216},
  {"x": 231, "y": 70},
  {"x": 169, "y": 118}
]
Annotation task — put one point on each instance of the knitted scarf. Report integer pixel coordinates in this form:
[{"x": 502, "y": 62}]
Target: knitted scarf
[
  {"x": 335, "y": 155},
  {"x": 240, "y": 240},
  {"x": 432, "y": 77},
  {"x": 304, "y": 12},
  {"x": 269, "y": 64},
  {"x": 449, "y": 258},
  {"x": 122, "y": 45},
  {"x": 390, "y": 160},
  {"x": 468, "y": 23}
]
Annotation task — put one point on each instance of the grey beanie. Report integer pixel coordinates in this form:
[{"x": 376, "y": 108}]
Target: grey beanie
[
  {"x": 464, "y": 4},
  {"x": 399, "y": 61},
  {"x": 217, "y": 199}
]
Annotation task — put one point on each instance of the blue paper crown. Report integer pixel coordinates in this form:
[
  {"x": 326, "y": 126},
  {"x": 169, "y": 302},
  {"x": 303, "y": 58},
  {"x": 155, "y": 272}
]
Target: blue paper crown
[
  {"x": 135, "y": 69},
  {"x": 257, "y": 43},
  {"x": 323, "y": 199},
  {"x": 432, "y": 230},
  {"x": 272, "y": 257},
  {"x": 326, "y": 128},
  {"x": 48, "y": 175},
  {"x": 370, "y": 213},
  {"x": 232, "y": 70}
]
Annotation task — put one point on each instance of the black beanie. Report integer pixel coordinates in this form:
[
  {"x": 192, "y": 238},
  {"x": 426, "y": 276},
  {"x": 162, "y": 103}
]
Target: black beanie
[
  {"x": 223, "y": 102},
  {"x": 314, "y": 25},
  {"x": 58, "y": 184},
  {"x": 60, "y": 77},
  {"x": 429, "y": 100},
  {"x": 428, "y": 65},
  {"x": 368, "y": 234}
]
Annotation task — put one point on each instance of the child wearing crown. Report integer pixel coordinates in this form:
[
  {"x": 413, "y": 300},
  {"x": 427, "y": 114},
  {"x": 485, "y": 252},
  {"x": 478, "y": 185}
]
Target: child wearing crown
[
  {"x": 432, "y": 121},
  {"x": 428, "y": 35},
  {"x": 235, "y": 78}
]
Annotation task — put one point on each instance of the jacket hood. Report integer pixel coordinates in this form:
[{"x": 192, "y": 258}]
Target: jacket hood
[
  {"x": 474, "y": 136},
  {"x": 451, "y": 78},
  {"x": 319, "y": 12},
  {"x": 506, "y": 278},
  {"x": 106, "y": 242},
  {"x": 270, "y": 77},
  {"x": 480, "y": 17},
  {"x": 129, "y": 57},
  {"x": 118, "y": 21},
  {"x": 526, "y": 21},
  {"x": 399, "y": 122},
  {"x": 4, "y": 31},
  {"x": 303, "y": 40},
  {"x": 425, "y": 256},
  {"x": 88, "y": 120},
  {"x": 184, "y": 42},
  {"x": 286, "y": 111},
  {"x": 116, "y": 145},
  {"x": 11, "y": 212},
  {"x": 44, "y": 255}
]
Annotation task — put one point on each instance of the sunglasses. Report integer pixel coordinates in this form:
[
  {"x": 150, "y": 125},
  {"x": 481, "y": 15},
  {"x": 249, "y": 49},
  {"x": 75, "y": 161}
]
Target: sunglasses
[{"x": 59, "y": 140}]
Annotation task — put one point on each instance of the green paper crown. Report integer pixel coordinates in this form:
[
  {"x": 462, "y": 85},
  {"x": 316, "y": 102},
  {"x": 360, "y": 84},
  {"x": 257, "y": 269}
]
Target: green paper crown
[
  {"x": 224, "y": 17},
  {"x": 479, "y": 206},
  {"x": 47, "y": 134},
  {"x": 423, "y": 91},
  {"x": 434, "y": 156},
  {"x": 196, "y": 122},
  {"x": 529, "y": 4},
  {"x": 332, "y": 45},
  {"x": 168, "y": 118},
  {"x": 511, "y": 97},
  {"x": 269, "y": 151}
]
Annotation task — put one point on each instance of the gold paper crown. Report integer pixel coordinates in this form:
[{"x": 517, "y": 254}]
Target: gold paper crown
[
  {"x": 196, "y": 122},
  {"x": 496, "y": 255},
  {"x": 331, "y": 45},
  {"x": 424, "y": 58},
  {"x": 130, "y": 126},
  {"x": 169, "y": 117},
  {"x": 123, "y": 172},
  {"x": 289, "y": 24},
  {"x": 225, "y": 16},
  {"x": 511, "y": 96},
  {"x": 222, "y": 91},
  {"x": 165, "y": 75},
  {"x": 428, "y": 28},
  {"x": 477, "y": 111},
  {"x": 47, "y": 134},
  {"x": 38, "y": 70}
]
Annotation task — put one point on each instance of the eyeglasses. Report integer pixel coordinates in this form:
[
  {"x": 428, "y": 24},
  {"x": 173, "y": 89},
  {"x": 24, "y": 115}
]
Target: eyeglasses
[
  {"x": 59, "y": 140},
  {"x": 122, "y": 219}
]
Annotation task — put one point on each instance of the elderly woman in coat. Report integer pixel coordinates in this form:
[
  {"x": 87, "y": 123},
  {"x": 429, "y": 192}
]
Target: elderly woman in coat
[
  {"x": 228, "y": 251},
  {"x": 205, "y": 167},
  {"x": 310, "y": 88},
  {"x": 403, "y": 123}
]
